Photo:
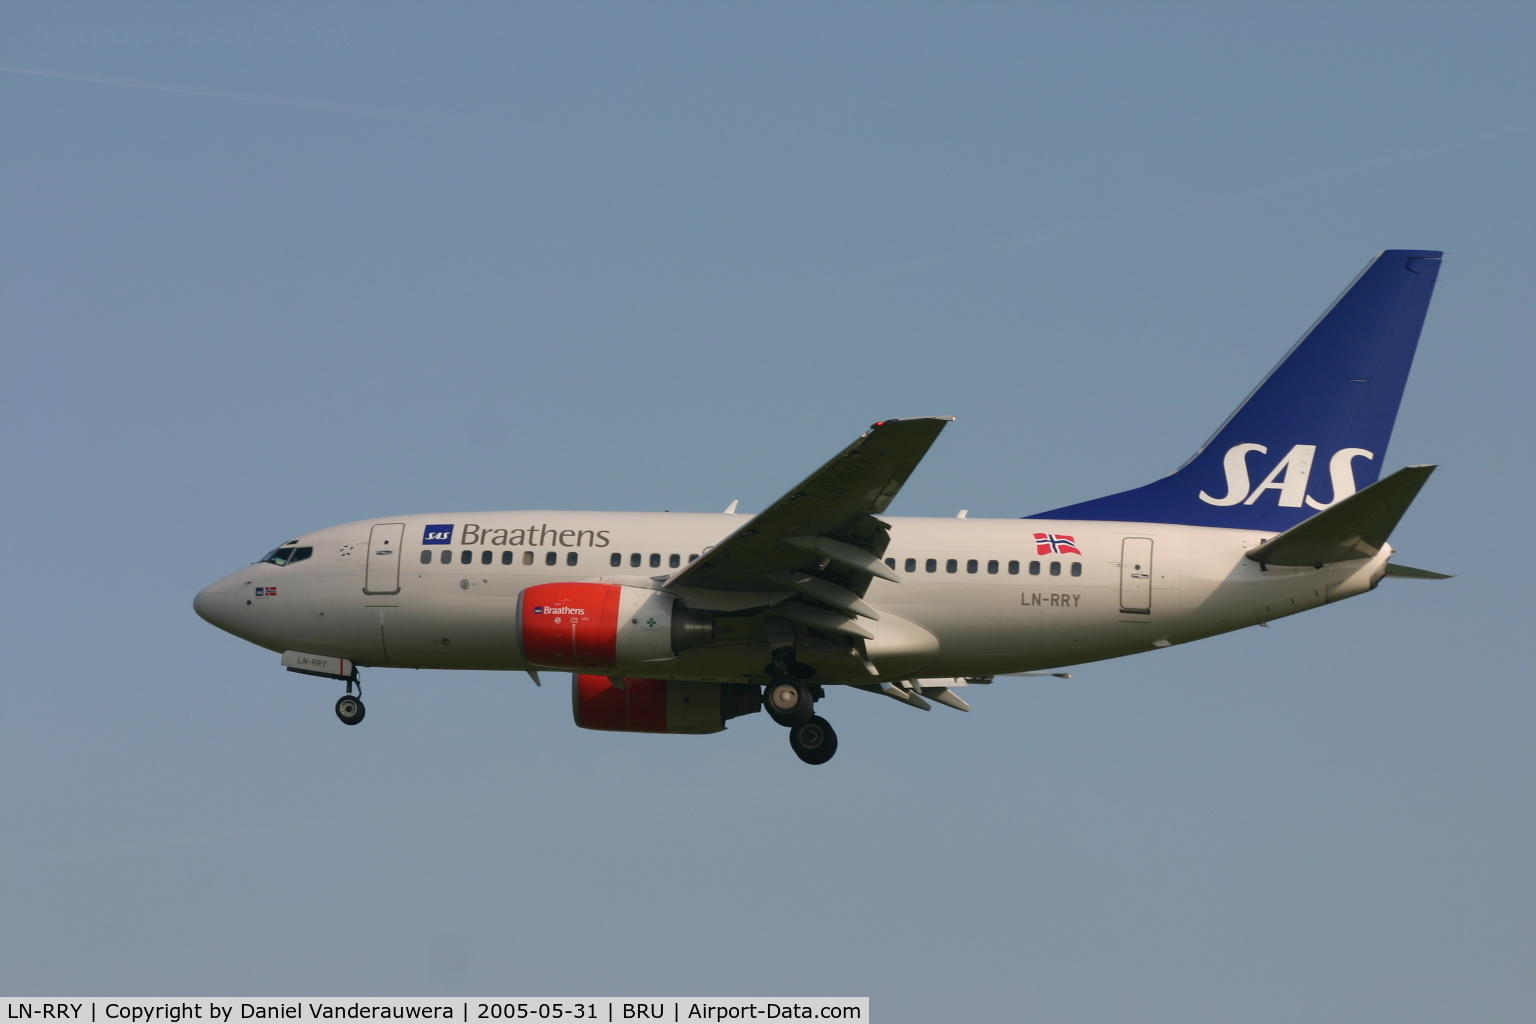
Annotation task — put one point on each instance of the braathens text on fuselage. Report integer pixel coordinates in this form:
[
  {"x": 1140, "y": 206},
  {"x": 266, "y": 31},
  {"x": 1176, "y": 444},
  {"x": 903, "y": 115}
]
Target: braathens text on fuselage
[{"x": 541, "y": 536}]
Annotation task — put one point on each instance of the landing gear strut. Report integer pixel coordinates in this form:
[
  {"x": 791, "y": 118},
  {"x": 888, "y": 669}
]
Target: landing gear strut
[
  {"x": 349, "y": 708},
  {"x": 814, "y": 742},
  {"x": 791, "y": 701}
]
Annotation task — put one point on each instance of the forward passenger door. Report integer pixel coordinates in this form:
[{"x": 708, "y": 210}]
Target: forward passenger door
[{"x": 384, "y": 559}]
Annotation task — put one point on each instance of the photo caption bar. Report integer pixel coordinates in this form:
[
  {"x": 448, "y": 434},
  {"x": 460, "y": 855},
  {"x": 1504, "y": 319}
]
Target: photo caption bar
[{"x": 606, "y": 1009}]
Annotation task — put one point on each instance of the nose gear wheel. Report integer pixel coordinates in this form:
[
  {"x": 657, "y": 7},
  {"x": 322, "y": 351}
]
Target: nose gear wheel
[{"x": 350, "y": 709}]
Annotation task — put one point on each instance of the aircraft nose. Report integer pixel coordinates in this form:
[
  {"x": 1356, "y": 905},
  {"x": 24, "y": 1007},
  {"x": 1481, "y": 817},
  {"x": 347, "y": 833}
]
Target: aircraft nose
[{"x": 216, "y": 605}]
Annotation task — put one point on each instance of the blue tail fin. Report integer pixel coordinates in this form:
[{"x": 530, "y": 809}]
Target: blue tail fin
[{"x": 1314, "y": 430}]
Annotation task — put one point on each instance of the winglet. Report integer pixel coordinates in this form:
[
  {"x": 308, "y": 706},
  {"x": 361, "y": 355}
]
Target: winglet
[{"x": 1356, "y": 527}]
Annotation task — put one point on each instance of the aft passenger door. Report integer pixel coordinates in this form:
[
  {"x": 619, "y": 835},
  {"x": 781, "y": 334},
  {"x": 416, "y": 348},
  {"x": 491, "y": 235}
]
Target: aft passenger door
[
  {"x": 384, "y": 559},
  {"x": 1136, "y": 575}
]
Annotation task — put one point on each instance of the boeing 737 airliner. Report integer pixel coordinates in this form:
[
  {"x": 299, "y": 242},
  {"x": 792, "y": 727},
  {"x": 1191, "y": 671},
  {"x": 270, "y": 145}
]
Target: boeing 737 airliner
[{"x": 677, "y": 623}]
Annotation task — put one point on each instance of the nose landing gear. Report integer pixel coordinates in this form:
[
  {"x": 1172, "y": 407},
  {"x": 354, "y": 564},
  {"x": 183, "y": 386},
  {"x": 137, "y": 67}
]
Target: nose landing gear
[{"x": 349, "y": 708}]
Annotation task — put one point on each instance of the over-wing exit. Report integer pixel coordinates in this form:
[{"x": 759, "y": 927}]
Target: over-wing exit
[{"x": 678, "y": 623}]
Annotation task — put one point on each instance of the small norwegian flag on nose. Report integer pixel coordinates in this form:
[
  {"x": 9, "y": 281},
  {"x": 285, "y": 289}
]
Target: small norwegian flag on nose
[{"x": 1055, "y": 544}]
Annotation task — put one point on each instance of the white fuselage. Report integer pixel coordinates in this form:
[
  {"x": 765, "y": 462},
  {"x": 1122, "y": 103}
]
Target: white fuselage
[{"x": 978, "y": 598}]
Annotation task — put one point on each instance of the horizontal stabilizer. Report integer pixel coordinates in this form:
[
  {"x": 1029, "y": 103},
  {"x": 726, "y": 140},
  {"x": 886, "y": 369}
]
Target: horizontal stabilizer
[
  {"x": 1355, "y": 527},
  {"x": 1408, "y": 572}
]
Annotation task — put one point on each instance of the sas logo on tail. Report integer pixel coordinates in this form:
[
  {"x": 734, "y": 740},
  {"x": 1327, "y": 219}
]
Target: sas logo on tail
[
  {"x": 1055, "y": 544},
  {"x": 441, "y": 534},
  {"x": 1289, "y": 477}
]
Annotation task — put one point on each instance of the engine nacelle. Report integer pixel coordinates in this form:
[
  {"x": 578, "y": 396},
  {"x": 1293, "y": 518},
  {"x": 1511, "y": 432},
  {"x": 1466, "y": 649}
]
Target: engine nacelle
[
  {"x": 604, "y": 626},
  {"x": 659, "y": 705}
]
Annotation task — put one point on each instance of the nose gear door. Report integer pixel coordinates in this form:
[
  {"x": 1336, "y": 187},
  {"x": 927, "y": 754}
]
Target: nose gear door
[
  {"x": 384, "y": 559},
  {"x": 1136, "y": 575}
]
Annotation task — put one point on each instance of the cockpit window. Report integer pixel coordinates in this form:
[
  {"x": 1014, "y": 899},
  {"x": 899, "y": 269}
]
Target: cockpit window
[{"x": 286, "y": 556}]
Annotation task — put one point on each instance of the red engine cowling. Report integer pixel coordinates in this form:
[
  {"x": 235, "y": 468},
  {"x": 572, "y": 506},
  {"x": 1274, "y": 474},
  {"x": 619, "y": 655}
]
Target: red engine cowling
[
  {"x": 659, "y": 705},
  {"x": 604, "y": 626}
]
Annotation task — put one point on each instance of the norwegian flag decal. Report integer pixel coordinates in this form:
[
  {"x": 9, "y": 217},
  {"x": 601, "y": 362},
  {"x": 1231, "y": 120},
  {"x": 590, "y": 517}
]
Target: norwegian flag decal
[{"x": 1055, "y": 544}]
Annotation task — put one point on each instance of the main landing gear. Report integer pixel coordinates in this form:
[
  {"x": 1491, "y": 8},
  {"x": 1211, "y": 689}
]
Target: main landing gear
[
  {"x": 791, "y": 701},
  {"x": 349, "y": 708},
  {"x": 814, "y": 742}
]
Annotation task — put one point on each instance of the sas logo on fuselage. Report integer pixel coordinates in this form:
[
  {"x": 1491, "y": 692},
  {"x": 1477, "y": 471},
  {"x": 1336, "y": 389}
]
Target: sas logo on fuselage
[
  {"x": 1289, "y": 477},
  {"x": 441, "y": 534}
]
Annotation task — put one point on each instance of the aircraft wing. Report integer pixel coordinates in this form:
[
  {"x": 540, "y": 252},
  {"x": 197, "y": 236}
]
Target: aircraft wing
[{"x": 828, "y": 520}]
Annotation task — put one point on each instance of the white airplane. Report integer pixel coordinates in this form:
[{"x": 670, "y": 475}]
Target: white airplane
[{"x": 677, "y": 623}]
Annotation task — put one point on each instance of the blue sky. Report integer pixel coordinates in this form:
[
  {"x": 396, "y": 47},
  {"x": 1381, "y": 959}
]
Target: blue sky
[{"x": 273, "y": 267}]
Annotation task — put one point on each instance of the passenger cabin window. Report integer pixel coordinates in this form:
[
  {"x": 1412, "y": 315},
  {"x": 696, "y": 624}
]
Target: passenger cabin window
[
  {"x": 971, "y": 565},
  {"x": 506, "y": 558},
  {"x": 615, "y": 559},
  {"x": 1013, "y": 568},
  {"x": 446, "y": 557},
  {"x": 992, "y": 567},
  {"x": 932, "y": 565},
  {"x": 426, "y": 558},
  {"x": 1077, "y": 568},
  {"x": 655, "y": 561},
  {"x": 486, "y": 557},
  {"x": 912, "y": 565},
  {"x": 693, "y": 558},
  {"x": 466, "y": 556},
  {"x": 890, "y": 563},
  {"x": 527, "y": 557},
  {"x": 1055, "y": 568},
  {"x": 570, "y": 558},
  {"x": 551, "y": 557},
  {"x": 674, "y": 561},
  {"x": 951, "y": 566},
  {"x": 1034, "y": 568},
  {"x": 634, "y": 560}
]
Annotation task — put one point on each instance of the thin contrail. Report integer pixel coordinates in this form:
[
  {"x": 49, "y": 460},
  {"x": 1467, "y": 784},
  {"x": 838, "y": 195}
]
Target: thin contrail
[
  {"x": 1117, "y": 222},
  {"x": 1278, "y": 187},
  {"x": 276, "y": 101}
]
